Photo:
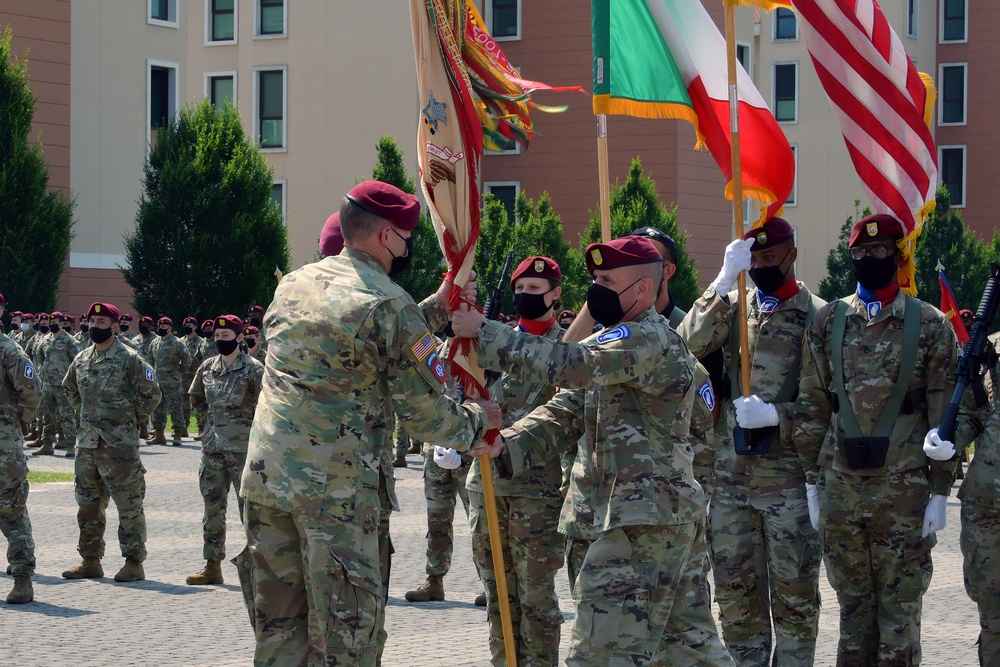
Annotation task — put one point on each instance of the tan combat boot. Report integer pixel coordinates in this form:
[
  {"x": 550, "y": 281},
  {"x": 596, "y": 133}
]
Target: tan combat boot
[
  {"x": 32, "y": 440},
  {"x": 212, "y": 574},
  {"x": 90, "y": 568},
  {"x": 46, "y": 449},
  {"x": 22, "y": 592},
  {"x": 176, "y": 441},
  {"x": 158, "y": 437},
  {"x": 143, "y": 432},
  {"x": 182, "y": 432},
  {"x": 431, "y": 590},
  {"x": 131, "y": 571},
  {"x": 415, "y": 447},
  {"x": 201, "y": 432}
]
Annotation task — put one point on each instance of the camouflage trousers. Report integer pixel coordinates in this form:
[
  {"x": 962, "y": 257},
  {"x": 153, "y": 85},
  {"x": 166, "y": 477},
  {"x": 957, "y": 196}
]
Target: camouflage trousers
[
  {"x": 170, "y": 401},
  {"x": 532, "y": 554},
  {"x": 385, "y": 552},
  {"x": 217, "y": 472},
  {"x": 317, "y": 589},
  {"x": 766, "y": 558},
  {"x": 981, "y": 550},
  {"x": 58, "y": 416},
  {"x": 114, "y": 473},
  {"x": 442, "y": 488},
  {"x": 576, "y": 552},
  {"x": 877, "y": 562},
  {"x": 642, "y": 599},
  {"x": 186, "y": 399},
  {"x": 14, "y": 521}
]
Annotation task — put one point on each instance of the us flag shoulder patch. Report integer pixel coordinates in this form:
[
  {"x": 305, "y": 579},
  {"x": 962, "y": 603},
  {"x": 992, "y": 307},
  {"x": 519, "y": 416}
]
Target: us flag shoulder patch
[{"x": 423, "y": 347}]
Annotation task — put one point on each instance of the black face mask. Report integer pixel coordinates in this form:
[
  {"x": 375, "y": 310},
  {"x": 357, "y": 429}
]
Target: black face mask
[
  {"x": 400, "y": 264},
  {"x": 123, "y": 327},
  {"x": 604, "y": 304},
  {"x": 68, "y": 329},
  {"x": 207, "y": 334},
  {"x": 188, "y": 331},
  {"x": 769, "y": 278},
  {"x": 161, "y": 332},
  {"x": 226, "y": 347},
  {"x": 36, "y": 327},
  {"x": 144, "y": 330},
  {"x": 100, "y": 335},
  {"x": 531, "y": 306},
  {"x": 874, "y": 274},
  {"x": 84, "y": 328},
  {"x": 251, "y": 343},
  {"x": 54, "y": 328}
]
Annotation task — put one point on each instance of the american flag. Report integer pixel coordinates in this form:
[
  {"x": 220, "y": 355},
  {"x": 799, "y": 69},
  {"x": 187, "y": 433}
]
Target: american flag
[{"x": 423, "y": 347}]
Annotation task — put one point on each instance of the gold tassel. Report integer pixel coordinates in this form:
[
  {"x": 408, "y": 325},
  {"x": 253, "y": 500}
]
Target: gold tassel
[
  {"x": 766, "y": 5},
  {"x": 931, "y": 97}
]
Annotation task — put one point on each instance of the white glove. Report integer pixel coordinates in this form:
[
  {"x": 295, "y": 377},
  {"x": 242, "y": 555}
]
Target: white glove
[
  {"x": 936, "y": 448},
  {"x": 936, "y": 515},
  {"x": 812, "y": 497},
  {"x": 753, "y": 412},
  {"x": 737, "y": 259},
  {"x": 448, "y": 459}
]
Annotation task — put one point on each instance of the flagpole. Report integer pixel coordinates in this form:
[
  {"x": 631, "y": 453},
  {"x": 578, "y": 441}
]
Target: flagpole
[
  {"x": 604, "y": 182},
  {"x": 737, "y": 180}
]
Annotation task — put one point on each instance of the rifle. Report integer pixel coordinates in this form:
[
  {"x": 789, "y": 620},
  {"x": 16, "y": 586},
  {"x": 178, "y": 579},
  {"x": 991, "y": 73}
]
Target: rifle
[
  {"x": 977, "y": 356},
  {"x": 493, "y": 302}
]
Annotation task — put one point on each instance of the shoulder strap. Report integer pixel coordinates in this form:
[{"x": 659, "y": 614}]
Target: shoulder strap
[
  {"x": 791, "y": 384},
  {"x": 734, "y": 358}
]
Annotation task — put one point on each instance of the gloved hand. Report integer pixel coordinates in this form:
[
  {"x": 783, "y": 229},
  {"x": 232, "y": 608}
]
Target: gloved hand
[
  {"x": 737, "y": 259},
  {"x": 936, "y": 448},
  {"x": 753, "y": 412},
  {"x": 936, "y": 515},
  {"x": 812, "y": 497},
  {"x": 448, "y": 459}
]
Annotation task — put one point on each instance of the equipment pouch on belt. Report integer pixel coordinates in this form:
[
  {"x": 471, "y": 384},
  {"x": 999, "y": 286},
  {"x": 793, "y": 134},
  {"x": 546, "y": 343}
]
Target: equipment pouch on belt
[{"x": 864, "y": 453}]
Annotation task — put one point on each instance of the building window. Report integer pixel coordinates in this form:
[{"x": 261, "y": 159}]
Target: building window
[
  {"x": 912, "y": 17},
  {"x": 784, "y": 25},
  {"x": 161, "y": 100},
  {"x": 271, "y": 108},
  {"x": 221, "y": 88},
  {"x": 793, "y": 196},
  {"x": 952, "y": 94},
  {"x": 278, "y": 197},
  {"x": 743, "y": 56},
  {"x": 223, "y": 21},
  {"x": 785, "y": 89},
  {"x": 952, "y": 162},
  {"x": 504, "y": 19},
  {"x": 271, "y": 17},
  {"x": 163, "y": 12},
  {"x": 506, "y": 192},
  {"x": 954, "y": 24}
]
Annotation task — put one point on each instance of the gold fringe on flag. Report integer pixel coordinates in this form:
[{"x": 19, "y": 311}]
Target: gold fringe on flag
[
  {"x": 612, "y": 106},
  {"x": 766, "y": 5},
  {"x": 931, "y": 97}
]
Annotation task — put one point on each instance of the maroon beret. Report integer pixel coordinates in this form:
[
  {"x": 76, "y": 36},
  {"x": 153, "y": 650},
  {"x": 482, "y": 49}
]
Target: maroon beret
[
  {"x": 145, "y": 319},
  {"x": 98, "y": 309},
  {"x": 67, "y": 318},
  {"x": 966, "y": 311},
  {"x": 331, "y": 239},
  {"x": 55, "y": 315},
  {"x": 83, "y": 316},
  {"x": 165, "y": 320},
  {"x": 387, "y": 201},
  {"x": 231, "y": 322},
  {"x": 256, "y": 309},
  {"x": 42, "y": 315},
  {"x": 567, "y": 313},
  {"x": 189, "y": 320},
  {"x": 208, "y": 323},
  {"x": 624, "y": 251},
  {"x": 536, "y": 267},
  {"x": 125, "y": 317},
  {"x": 250, "y": 331},
  {"x": 27, "y": 316},
  {"x": 770, "y": 234},
  {"x": 878, "y": 227},
  {"x": 16, "y": 313}
]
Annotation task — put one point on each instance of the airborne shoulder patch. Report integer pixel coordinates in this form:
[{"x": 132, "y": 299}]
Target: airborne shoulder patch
[
  {"x": 149, "y": 373},
  {"x": 620, "y": 332},
  {"x": 29, "y": 370},
  {"x": 434, "y": 363},
  {"x": 423, "y": 347},
  {"x": 705, "y": 391}
]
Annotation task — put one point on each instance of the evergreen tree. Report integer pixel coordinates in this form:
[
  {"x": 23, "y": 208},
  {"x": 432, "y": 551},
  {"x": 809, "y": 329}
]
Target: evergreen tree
[
  {"x": 208, "y": 236},
  {"x": 36, "y": 225},
  {"x": 497, "y": 237},
  {"x": 839, "y": 281}
]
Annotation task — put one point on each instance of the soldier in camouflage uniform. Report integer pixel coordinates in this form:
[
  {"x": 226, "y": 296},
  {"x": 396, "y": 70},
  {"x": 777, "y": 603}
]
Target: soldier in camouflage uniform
[
  {"x": 146, "y": 337},
  {"x": 255, "y": 318},
  {"x": 251, "y": 335},
  {"x": 41, "y": 332},
  {"x": 226, "y": 388},
  {"x": 15, "y": 325},
  {"x": 879, "y": 498},
  {"x": 125, "y": 329},
  {"x": 19, "y": 396},
  {"x": 195, "y": 346},
  {"x": 628, "y": 391},
  {"x": 54, "y": 356},
  {"x": 759, "y": 513},
  {"x": 113, "y": 389},
  {"x": 344, "y": 339},
  {"x": 170, "y": 359}
]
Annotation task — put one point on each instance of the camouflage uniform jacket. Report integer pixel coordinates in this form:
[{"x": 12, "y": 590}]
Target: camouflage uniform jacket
[
  {"x": 703, "y": 430},
  {"x": 22, "y": 337},
  {"x": 775, "y": 343},
  {"x": 170, "y": 358},
  {"x": 32, "y": 347},
  {"x": 144, "y": 346},
  {"x": 19, "y": 393},
  {"x": 629, "y": 391},
  {"x": 55, "y": 355},
  {"x": 259, "y": 353},
  {"x": 517, "y": 398},
  {"x": 112, "y": 392},
  {"x": 345, "y": 339},
  {"x": 982, "y": 481},
  {"x": 194, "y": 347},
  {"x": 229, "y": 394},
  {"x": 872, "y": 352}
]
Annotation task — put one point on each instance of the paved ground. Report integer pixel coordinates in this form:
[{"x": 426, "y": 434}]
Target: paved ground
[{"x": 161, "y": 621}]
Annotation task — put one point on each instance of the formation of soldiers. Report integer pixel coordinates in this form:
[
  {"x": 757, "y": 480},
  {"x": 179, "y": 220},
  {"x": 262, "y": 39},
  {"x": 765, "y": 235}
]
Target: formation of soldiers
[{"x": 629, "y": 449}]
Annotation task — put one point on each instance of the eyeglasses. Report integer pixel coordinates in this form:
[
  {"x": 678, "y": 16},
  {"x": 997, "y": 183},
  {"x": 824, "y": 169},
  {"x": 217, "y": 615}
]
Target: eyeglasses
[{"x": 880, "y": 251}]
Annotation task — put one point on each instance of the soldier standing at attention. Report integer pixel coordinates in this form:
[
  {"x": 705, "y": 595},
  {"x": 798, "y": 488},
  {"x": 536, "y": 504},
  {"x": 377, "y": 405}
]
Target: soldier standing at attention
[
  {"x": 113, "y": 390},
  {"x": 878, "y": 370},
  {"x": 55, "y": 354},
  {"x": 124, "y": 328},
  {"x": 170, "y": 360},
  {"x": 226, "y": 388},
  {"x": 311, "y": 482},
  {"x": 759, "y": 512},
  {"x": 255, "y": 318},
  {"x": 641, "y": 595},
  {"x": 195, "y": 346},
  {"x": 146, "y": 337},
  {"x": 251, "y": 335},
  {"x": 19, "y": 397}
]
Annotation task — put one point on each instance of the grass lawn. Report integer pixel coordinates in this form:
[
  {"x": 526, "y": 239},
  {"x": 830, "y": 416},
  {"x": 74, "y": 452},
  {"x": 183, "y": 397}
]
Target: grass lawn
[{"x": 43, "y": 477}]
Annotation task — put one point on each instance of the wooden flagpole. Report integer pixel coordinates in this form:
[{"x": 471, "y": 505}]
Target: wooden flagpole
[
  {"x": 496, "y": 548},
  {"x": 737, "y": 178},
  {"x": 604, "y": 183}
]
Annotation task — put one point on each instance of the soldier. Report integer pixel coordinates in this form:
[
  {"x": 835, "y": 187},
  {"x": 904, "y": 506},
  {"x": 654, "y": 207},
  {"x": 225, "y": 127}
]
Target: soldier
[
  {"x": 566, "y": 318},
  {"x": 208, "y": 350},
  {"x": 877, "y": 371},
  {"x": 146, "y": 337},
  {"x": 255, "y": 318},
  {"x": 41, "y": 328},
  {"x": 343, "y": 338},
  {"x": 19, "y": 397},
  {"x": 114, "y": 390},
  {"x": 628, "y": 392},
  {"x": 226, "y": 388},
  {"x": 528, "y": 506},
  {"x": 54, "y": 356},
  {"x": 15, "y": 324},
  {"x": 195, "y": 346},
  {"x": 251, "y": 335},
  {"x": 68, "y": 324},
  {"x": 124, "y": 325},
  {"x": 170, "y": 359}
]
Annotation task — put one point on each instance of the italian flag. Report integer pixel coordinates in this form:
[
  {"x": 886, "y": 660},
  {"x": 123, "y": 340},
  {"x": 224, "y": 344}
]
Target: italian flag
[{"x": 667, "y": 59}]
